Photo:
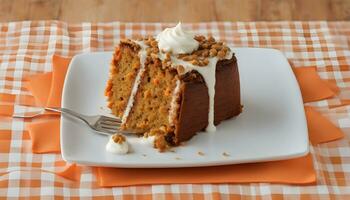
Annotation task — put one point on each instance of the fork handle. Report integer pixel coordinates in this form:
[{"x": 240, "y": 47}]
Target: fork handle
[
  {"x": 58, "y": 110},
  {"x": 67, "y": 111}
]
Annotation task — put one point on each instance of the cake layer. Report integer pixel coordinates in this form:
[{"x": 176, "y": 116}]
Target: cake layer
[
  {"x": 152, "y": 101},
  {"x": 123, "y": 70}
]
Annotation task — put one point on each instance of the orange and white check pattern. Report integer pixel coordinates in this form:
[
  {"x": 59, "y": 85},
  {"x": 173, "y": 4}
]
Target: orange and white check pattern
[{"x": 26, "y": 48}]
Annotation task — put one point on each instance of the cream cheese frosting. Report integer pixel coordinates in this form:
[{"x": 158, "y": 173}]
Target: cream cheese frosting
[
  {"x": 177, "y": 40},
  {"x": 117, "y": 147}
]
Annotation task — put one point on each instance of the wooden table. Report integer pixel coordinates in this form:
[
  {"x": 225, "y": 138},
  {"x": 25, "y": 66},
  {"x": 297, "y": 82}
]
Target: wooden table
[{"x": 173, "y": 10}]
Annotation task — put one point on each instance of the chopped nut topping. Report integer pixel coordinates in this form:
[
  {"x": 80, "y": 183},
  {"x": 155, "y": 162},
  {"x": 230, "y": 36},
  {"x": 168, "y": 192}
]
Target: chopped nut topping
[
  {"x": 180, "y": 69},
  {"x": 205, "y": 45},
  {"x": 195, "y": 62},
  {"x": 199, "y": 38},
  {"x": 221, "y": 54},
  {"x": 208, "y": 48},
  {"x": 213, "y": 52},
  {"x": 205, "y": 53},
  {"x": 154, "y": 43},
  {"x": 118, "y": 138},
  {"x": 187, "y": 58},
  {"x": 216, "y": 46},
  {"x": 206, "y": 61}
]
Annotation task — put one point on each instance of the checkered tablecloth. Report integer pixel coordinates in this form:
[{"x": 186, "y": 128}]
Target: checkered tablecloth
[{"x": 26, "y": 48}]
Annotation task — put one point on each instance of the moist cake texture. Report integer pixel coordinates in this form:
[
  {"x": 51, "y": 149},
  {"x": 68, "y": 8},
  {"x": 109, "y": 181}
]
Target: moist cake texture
[{"x": 173, "y": 86}]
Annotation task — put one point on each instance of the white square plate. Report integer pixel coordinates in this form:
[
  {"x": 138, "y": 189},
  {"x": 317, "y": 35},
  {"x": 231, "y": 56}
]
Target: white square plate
[{"x": 271, "y": 127}]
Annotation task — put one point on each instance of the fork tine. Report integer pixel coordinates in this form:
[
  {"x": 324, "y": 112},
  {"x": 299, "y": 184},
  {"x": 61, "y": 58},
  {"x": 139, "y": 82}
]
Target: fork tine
[
  {"x": 108, "y": 126},
  {"x": 108, "y": 130},
  {"x": 111, "y": 119},
  {"x": 108, "y": 123}
]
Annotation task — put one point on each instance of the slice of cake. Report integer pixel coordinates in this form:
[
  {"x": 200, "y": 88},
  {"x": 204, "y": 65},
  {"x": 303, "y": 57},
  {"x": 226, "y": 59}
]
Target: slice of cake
[{"x": 173, "y": 86}]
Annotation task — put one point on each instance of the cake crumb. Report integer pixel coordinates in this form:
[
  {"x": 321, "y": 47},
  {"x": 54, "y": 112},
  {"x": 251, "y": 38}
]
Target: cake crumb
[
  {"x": 200, "y": 153},
  {"x": 144, "y": 155},
  {"x": 225, "y": 154},
  {"x": 171, "y": 150},
  {"x": 178, "y": 158},
  {"x": 101, "y": 107}
]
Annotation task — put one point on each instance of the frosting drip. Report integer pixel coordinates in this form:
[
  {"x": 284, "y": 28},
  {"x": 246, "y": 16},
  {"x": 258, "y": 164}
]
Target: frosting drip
[
  {"x": 177, "y": 40},
  {"x": 209, "y": 75}
]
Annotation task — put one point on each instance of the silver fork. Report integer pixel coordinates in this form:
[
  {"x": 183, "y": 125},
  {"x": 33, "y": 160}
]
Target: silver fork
[{"x": 99, "y": 123}]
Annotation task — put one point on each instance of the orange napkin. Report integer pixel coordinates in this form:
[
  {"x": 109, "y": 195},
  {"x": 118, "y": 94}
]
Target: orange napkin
[
  {"x": 45, "y": 132},
  {"x": 40, "y": 85},
  {"x": 320, "y": 128},
  {"x": 45, "y": 136},
  {"x": 60, "y": 66},
  {"x": 312, "y": 87},
  {"x": 294, "y": 171}
]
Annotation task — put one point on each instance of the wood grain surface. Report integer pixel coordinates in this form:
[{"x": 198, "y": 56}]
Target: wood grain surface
[{"x": 173, "y": 10}]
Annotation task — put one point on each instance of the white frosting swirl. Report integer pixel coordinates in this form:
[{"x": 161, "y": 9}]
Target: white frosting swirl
[
  {"x": 177, "y": 40},
  {"x": 117, "y": 148}
]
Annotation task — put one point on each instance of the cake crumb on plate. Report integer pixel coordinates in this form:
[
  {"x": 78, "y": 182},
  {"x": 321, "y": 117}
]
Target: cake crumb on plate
[{"x": 225, "y": 154}]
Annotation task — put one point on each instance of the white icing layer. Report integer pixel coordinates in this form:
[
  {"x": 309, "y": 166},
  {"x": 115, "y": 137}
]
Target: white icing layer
[
  {"x": 142, "y": 55},
  {"x": 174, "y": 104},
  {"x": 177, "y": 40},
  {"x": 117, "y": 148}
]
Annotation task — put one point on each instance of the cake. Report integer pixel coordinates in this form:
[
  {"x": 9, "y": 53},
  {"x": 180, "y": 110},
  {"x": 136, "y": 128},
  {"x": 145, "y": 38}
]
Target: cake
[{"x": 173, "y": 86}]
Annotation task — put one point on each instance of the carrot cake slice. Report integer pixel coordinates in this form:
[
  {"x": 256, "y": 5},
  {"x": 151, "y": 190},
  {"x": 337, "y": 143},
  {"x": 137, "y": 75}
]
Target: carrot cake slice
[{"x": 173, "y": 85}]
